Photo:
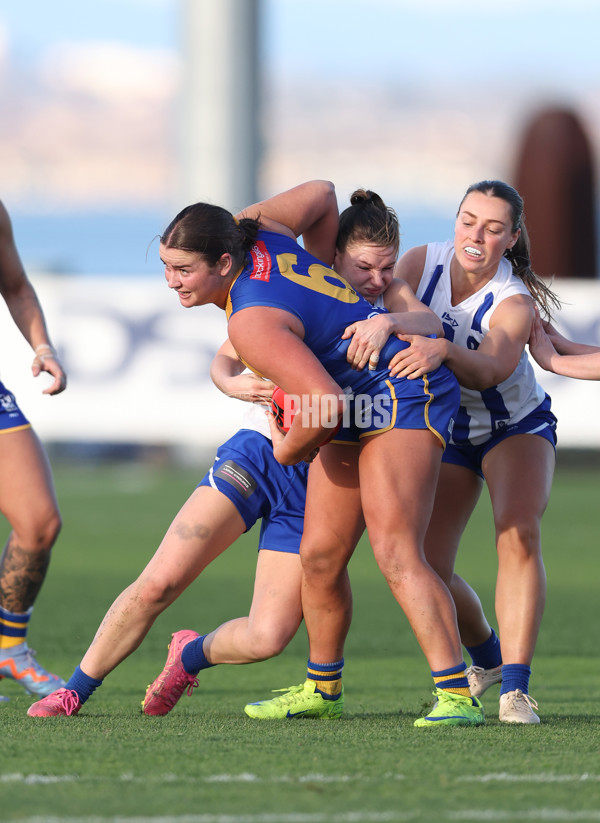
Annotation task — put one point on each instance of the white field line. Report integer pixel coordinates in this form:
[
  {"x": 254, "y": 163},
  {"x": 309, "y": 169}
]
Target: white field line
[
  {"x": 32, "y": 779},
  {"x": 543, "y": 815},
  {"x": 344, "y": 817},
  {"x": 505, "y": 777},
  {"x": 394, "y": 816},
  {"x": 244, "y": 777},
  {"x": 549, "y": 815}
]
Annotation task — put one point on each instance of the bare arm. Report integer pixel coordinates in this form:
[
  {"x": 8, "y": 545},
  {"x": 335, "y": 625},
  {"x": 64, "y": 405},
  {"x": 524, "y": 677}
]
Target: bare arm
[
  {"x": 581, "y": 361},
  {"x": 227, "y": 373},
  {"x": 270, "y": 340},
  {"x": 495, "y": 359},
  {"x": 563, "y": 345},
  {"x": 25, "y": 308},
  {"x": 309, "y": 209}
]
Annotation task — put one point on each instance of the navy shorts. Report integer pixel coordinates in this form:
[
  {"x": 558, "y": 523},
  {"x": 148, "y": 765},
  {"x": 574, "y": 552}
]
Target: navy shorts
[
  {"x": 11, "y": 416},
  {"x": 428, "y": 402},
  {"x": 246, "y": 472},
  {"x": 540, "y": 421}
]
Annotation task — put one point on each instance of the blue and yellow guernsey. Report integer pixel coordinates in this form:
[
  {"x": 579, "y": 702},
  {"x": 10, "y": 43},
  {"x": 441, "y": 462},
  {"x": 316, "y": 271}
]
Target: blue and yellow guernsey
[{"x": 279, "y": 273}]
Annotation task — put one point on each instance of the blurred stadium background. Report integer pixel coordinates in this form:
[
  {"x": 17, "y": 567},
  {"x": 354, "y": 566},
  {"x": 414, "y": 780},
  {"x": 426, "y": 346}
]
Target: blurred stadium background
[{"x": 121, "y": 113}]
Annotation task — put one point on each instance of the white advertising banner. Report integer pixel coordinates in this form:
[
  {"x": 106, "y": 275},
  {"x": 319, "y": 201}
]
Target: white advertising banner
[
  {"x": 575, "y": 402},
  {"x": 138, "y": 365}
]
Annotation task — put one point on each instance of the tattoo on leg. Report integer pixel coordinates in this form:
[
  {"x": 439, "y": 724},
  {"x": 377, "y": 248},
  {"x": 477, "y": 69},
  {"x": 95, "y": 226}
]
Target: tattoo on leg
[{"x": 22, "y": 573}]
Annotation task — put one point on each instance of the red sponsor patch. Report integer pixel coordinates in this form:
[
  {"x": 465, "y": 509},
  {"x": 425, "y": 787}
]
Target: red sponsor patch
[{"x": 261, "y": 262}]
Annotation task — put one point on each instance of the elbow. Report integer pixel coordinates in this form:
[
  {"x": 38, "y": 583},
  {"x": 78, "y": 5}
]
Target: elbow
[
  {"x": 326, "y": 185},
  {"x": 326, "y": 191},
  {"x": 216, "y": 376},
  {"x": 482, "y": 382},
  {"x": 479, "y": 385}
]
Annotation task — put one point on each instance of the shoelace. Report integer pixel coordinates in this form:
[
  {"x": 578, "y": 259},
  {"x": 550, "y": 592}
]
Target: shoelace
[
  {"x": 449, "y": 697},
  {"x": 68, "y": 700},
  {"x": 519, "y": 695},
  {"x": 446, "y": 695},
  {"x": 171, "y": 698},
  {"x": 192, "y": 683},
  {"x": 292, "y": 693}
]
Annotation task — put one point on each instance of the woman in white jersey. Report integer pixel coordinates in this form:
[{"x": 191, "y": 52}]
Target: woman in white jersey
[{"x": 483, "y": 289}]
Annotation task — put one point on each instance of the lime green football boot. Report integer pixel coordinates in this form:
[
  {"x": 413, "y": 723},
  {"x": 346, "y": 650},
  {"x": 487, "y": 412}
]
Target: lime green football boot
[
  {"x": 452, "y": 709},
  {"x": 297, "y": 701}
]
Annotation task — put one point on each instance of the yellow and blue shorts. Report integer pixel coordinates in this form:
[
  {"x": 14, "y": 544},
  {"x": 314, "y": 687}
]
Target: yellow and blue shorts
[
  {"x": 427, "y": 402},
  {"x": 11, "y": 416}
]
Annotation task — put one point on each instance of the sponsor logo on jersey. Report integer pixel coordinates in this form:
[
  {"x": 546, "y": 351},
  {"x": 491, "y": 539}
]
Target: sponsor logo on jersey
[
  {"x": 7, "y": 403},
  {"x": 449, "y": 319},
  {"x": 261, "y": 262}
]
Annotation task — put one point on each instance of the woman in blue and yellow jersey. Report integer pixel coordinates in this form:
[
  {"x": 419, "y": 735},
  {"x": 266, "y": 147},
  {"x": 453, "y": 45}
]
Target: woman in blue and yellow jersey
[
  {"x": 289, "y": 319},
  {"x": 27, "y": 496}
]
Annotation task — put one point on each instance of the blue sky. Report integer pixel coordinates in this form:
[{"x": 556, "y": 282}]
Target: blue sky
[
  {"x": 539, "y": 41},
  {"x": 475, "y": 58},
  {"x": 35, "y": 24}
]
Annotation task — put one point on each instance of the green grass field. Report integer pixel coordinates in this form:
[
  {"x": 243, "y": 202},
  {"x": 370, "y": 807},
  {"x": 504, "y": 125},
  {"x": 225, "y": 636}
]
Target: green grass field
[{"x": 207, "y": 762}]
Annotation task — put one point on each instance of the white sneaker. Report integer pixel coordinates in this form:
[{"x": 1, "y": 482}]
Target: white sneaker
[
  {"x": 481, "y": 679},
  {"x": 517, "y": 707}
]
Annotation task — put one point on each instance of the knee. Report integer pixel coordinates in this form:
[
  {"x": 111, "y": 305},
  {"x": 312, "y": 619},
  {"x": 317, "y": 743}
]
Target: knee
[
  {"x": 520, "y": 539},
  {"x": 447, "y": 576},
  {"x": 151, "y": 593},
  {"x": 320, "y": 560},
  {"x": 390, "y": 561},
  {"x": 39, "y": 532},
  {"x": 402, "y": 564},
  {"x": 53, "y": 528}
]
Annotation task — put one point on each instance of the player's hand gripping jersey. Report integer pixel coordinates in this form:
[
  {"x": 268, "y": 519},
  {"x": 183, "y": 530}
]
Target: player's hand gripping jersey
[{"x": 281, "y": 274}]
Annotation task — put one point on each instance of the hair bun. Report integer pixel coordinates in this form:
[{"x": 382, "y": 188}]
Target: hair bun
[{"x": 360, "y": 196}]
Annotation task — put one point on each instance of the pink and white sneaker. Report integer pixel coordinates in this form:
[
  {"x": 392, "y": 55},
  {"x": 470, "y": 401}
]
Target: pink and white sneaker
[
  {"x": 60, "y": 702},
  {"x": 173, "y": 681}
]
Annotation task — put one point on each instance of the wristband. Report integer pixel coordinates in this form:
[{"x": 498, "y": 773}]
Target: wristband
[{"x": 49, "y": 350}]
